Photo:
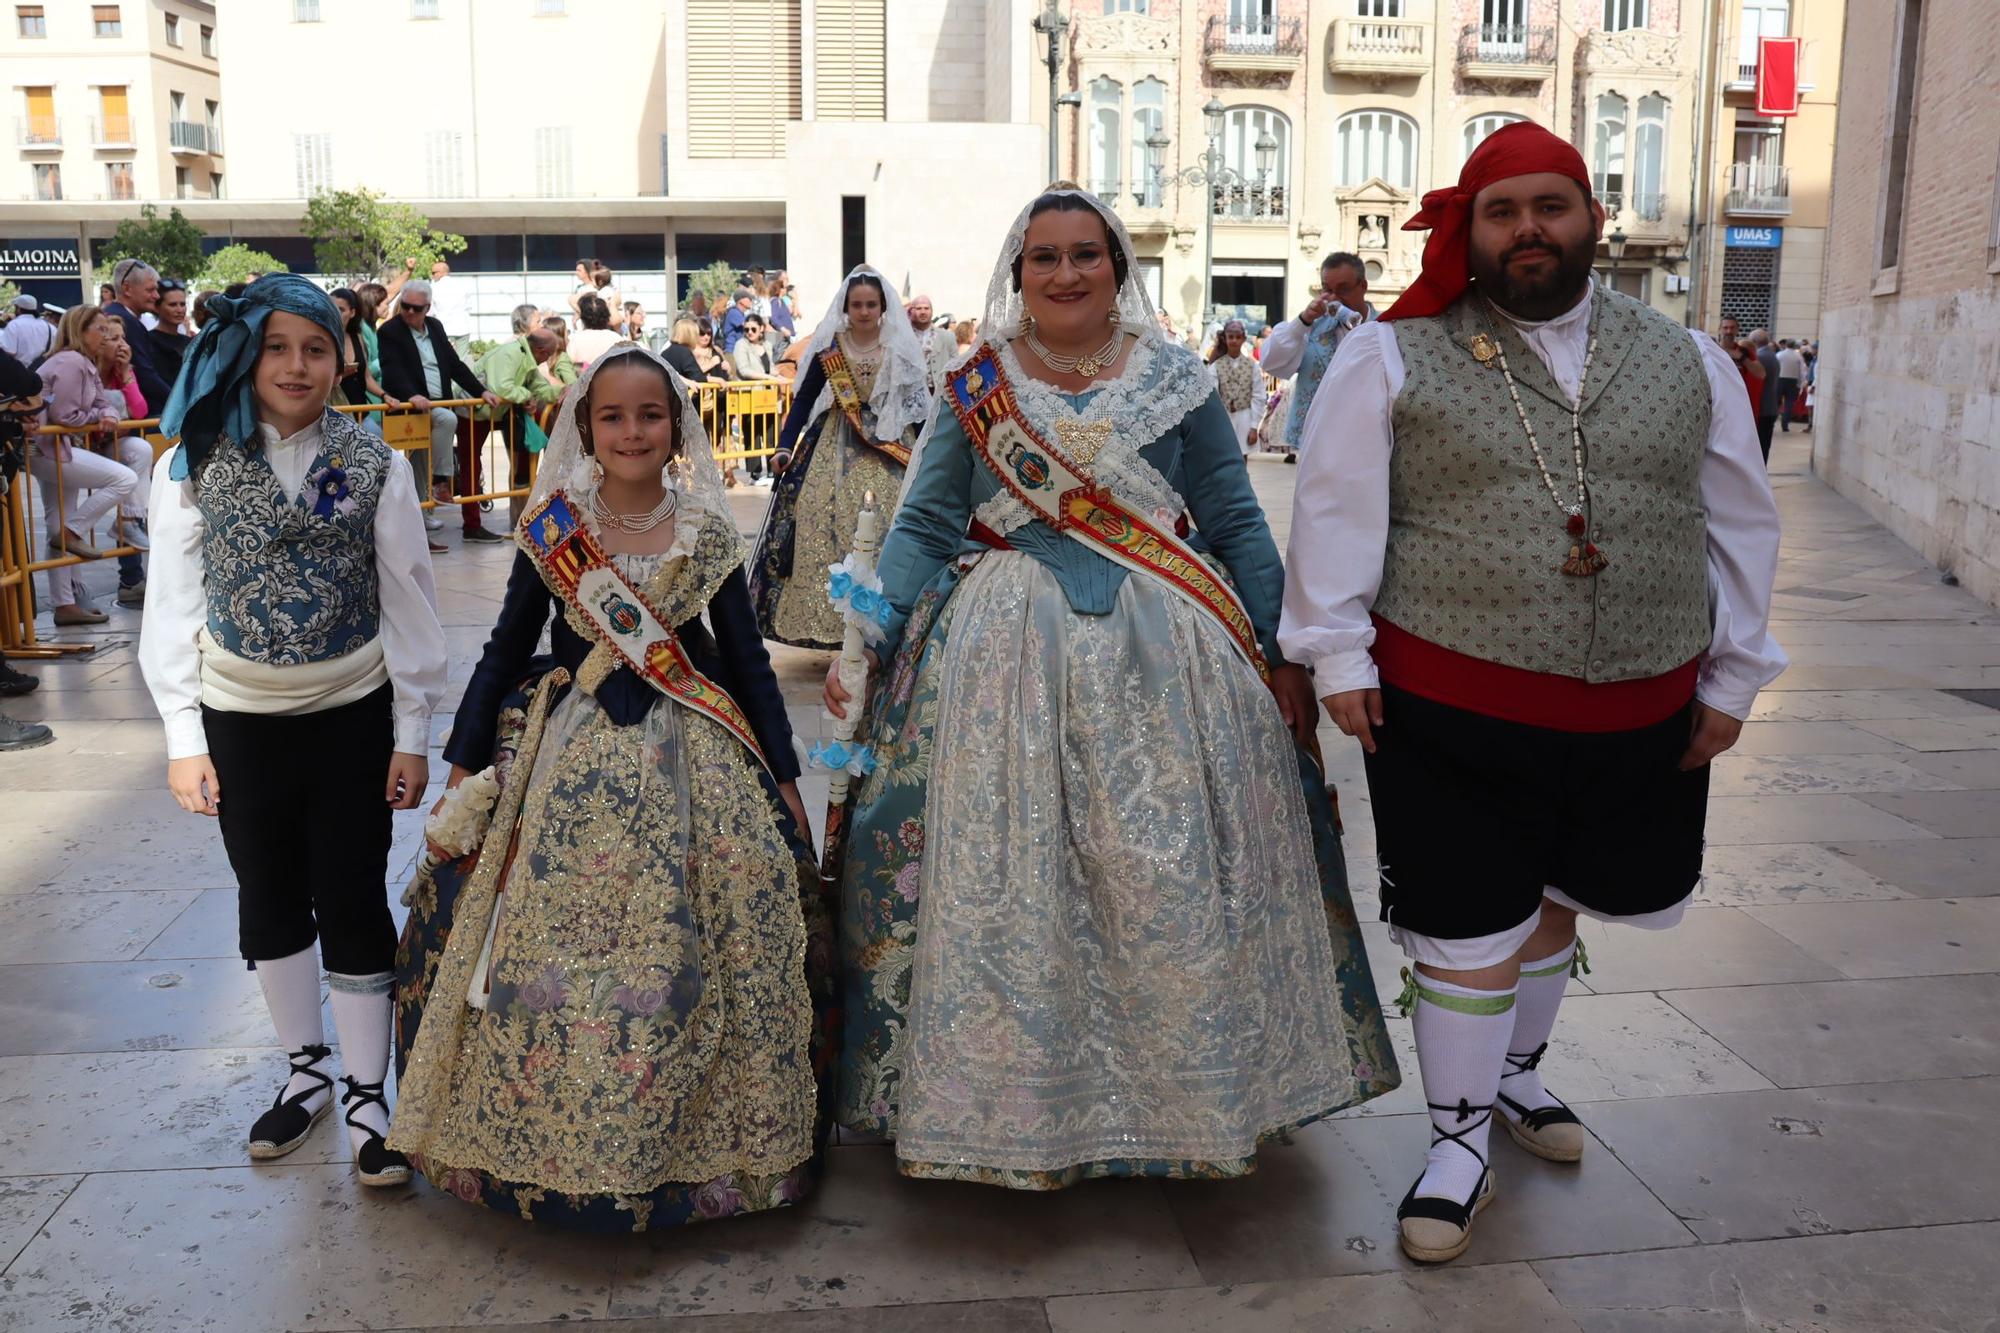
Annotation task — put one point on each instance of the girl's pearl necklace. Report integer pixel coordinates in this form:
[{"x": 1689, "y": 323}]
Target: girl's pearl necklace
[
  {"x": 1584, "y": 557},
  {"x": 668, "y": 506}
]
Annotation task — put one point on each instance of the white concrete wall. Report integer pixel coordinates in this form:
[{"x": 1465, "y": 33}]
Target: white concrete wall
[
  {"x": 1908, "y": 424},
  {"x": 936, "y": 59},
  {"x": 935, "y": 222},
  {"x": 495, "y": 73}
]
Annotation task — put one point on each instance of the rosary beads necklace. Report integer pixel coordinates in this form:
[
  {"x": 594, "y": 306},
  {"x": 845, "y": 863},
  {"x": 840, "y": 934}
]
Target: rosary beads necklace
[{"x": 1584, "y": 557}]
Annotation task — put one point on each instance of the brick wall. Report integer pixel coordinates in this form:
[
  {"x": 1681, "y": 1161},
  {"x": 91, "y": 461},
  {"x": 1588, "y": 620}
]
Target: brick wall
[{"x": 1908, "y": 420}]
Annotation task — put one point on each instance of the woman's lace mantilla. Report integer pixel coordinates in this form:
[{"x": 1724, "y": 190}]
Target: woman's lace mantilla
[{"x": 1161, "y": 385}]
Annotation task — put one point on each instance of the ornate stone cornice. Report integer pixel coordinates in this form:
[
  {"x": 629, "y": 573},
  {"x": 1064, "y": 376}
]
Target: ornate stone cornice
[{"x": 1636, "y": 50}]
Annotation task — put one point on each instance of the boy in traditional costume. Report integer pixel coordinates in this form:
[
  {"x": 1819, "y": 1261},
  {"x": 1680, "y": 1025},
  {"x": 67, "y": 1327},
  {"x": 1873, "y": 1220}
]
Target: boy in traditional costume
[
  {"x": 1531, "y": 563},
  {"x": 292, "y": 646}
]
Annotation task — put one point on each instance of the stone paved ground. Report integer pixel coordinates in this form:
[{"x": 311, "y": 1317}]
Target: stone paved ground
[{"x": 1796, "y": 1097}]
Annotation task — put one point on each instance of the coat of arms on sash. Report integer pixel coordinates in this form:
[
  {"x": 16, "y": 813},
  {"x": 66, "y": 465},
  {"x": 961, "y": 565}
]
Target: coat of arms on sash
[{"x": 620, "y": 614}]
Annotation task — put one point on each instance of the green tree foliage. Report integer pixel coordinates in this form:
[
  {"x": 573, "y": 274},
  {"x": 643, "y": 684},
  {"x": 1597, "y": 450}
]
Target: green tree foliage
[
  {"x": 170, "y": 244},
  {"x": 235, "y": 263},
  {"x": 359, "y": 236},
  {"x": 718, "y": 282},
  {"x": 8, "y": 291}
]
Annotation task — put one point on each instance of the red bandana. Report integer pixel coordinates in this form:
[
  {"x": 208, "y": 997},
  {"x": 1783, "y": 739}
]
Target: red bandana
[{"x": 1519, "y": 149}]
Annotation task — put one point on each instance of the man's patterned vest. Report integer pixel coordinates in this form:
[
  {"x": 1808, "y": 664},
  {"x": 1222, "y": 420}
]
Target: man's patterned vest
[
  {"x": 293, "y": 580},
  {"x": 1476, "y": 544}
]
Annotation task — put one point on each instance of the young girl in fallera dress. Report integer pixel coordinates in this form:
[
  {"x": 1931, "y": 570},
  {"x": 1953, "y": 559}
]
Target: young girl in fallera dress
[
  {"x": 611, "y": 1001},
  {"x": 862, "y": 398}
]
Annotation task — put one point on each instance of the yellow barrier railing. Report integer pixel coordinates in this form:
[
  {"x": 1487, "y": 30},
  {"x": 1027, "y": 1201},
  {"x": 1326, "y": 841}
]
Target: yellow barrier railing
[
  {"x": 743, "y": 417},
  {"x": 743, "y": 420}
]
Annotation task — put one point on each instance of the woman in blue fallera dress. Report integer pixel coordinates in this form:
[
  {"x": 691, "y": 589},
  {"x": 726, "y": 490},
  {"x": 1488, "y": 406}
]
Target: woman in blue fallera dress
[{"x": 1094, "y": 918}]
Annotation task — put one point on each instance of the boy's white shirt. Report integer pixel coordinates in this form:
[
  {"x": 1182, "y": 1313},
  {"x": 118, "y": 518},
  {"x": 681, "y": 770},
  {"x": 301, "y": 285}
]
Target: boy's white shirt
[{"x": 183, "y": 665}]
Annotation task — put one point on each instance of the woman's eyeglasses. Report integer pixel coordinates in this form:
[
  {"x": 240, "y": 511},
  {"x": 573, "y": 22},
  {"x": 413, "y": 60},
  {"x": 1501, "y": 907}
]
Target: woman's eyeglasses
[{"x": 1046, "y": 259}]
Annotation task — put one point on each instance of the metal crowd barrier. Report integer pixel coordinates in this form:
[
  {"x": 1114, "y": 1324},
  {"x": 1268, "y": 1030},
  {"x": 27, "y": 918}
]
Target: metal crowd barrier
[{"x": 743, "y": 419}]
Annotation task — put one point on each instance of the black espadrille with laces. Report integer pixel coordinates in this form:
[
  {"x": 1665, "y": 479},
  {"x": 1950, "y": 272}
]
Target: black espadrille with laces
[
  {"x": 288, "y": 1122},
  {"x": 375, "y": 1162},
  {"x": 1433, "y": 1229},
  {"x": 1552, "y": 1133}
]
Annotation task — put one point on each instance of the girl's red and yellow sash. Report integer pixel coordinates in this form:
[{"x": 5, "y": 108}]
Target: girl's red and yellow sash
[
  {"x": 1063, "y": 493},
  {"x": 847, "y": 397},
  {"x": 577, "y": 568}
]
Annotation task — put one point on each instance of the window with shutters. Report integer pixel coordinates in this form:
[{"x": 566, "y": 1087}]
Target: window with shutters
[
  {"x": 552, "y": 162},
  {"x": 208, "y": 41},
  {"x": 105, "y": 22},
  {"x": 1649, "y": 159},
  {"x": 423, "y": 9},
  {"x": 118, "y": 182},
  {"x": 1607, "y": 153},
  {"x": 1149, "y": 114},
  {"x": 743, "y": 76},
  {"x": 31, "y": 21},
  {"x": 1620, "y": 15},
  {"x": 305, "y": 11},
  {"x": 1479, "y": 127},
  {"x": 1107, "y": 100},
  {"x": 312, "y": 163},
  {"x": 444, "y": 164},
  {"x": 1377, "y": 143},
  {"x": 174, "y": 33},
  {"x": 849, "y": 81}
]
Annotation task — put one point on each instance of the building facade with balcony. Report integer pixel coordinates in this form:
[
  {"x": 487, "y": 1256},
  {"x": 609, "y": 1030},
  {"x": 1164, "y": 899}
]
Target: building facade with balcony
[
  {"x": 1907, "y": 416},
  {"x": 113, "y": 102},
  {"x": 1762, "y": 245},
  {"x": 748, "y": 131},
  {"x": 1382, "y": 102}
]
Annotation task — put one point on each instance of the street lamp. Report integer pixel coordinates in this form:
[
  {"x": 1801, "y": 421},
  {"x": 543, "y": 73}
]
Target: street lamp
[
  {"x": 1615, "y": 243},
  {"x": 1052, "y": 23},
  {"x": 1209, "y": 171}
]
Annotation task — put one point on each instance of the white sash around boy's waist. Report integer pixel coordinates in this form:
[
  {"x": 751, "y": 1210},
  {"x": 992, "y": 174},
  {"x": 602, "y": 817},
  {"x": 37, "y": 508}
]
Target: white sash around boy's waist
[{"x": 233, "y": 684}]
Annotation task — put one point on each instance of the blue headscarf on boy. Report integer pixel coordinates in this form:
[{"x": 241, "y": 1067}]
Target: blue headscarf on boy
[{"x": 214, "y": 395}]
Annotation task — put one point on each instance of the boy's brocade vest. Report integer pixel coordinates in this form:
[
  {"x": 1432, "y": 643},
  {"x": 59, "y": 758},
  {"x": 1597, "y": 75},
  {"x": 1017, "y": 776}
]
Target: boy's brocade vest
[
  {"x": 287, "y": 585},
  {"x": 1475, "y": 541}
]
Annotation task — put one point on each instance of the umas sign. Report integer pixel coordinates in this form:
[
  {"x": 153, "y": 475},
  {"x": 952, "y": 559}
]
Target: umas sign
[{"x": 38, "y": 259}]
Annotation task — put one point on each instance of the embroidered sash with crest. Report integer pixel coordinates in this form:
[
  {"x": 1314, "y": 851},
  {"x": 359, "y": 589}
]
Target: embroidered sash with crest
[
  {"x": 576, "y": 566},
  {"x": 1063, "y": 493},
  {"x": 847, "y": 397}
]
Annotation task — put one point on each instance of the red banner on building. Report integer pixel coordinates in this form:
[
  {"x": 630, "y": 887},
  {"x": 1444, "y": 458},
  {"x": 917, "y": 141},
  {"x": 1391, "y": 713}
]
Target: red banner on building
[{"x": 1778, "y": 76}]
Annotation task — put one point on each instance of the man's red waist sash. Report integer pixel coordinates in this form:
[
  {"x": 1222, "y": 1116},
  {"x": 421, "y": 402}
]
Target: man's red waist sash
[{"x": 1532, "y": 698}]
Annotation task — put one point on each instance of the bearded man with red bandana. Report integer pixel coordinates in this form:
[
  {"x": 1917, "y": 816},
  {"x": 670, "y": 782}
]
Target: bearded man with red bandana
[{"x": 1531, "y": 564}]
